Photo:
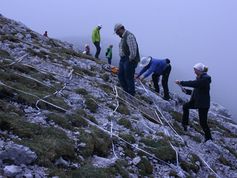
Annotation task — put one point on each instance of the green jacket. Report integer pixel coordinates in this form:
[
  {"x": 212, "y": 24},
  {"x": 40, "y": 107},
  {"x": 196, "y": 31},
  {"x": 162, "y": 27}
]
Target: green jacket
[
  {"x": 109, "y": 53},
  {"x": 96, "y": 35}
]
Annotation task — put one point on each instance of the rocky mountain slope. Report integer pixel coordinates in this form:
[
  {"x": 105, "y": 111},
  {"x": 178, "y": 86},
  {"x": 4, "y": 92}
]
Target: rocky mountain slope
[{"x": 63, "y": 115}]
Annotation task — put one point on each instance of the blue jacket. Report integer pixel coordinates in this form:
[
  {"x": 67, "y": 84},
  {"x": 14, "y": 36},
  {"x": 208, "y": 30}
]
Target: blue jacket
[{"x": 156, "y": 66}]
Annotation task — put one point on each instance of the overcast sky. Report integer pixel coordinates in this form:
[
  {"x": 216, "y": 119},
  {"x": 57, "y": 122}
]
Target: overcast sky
[{"x": 186, "y": 31}]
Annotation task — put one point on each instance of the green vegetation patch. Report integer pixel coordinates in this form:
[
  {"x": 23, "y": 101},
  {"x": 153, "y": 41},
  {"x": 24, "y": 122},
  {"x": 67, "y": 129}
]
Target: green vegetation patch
[
  {"x": 67, "y": 121},
  {"x": 107, "y": 89},
  {"x": 4, "y": 54},
  {"x": 145, "y": 167},
  {"x": 88, "y": 171},
  {"x": 161, "y": 149},
  {"x": 41, "y": 54},
  {"x": 123, "y": 109},
  {"x": 105, "y": 77},
  {"x": 128, "y": 137},
  {"x": 176, "y": 115},
  {"x": 83, "y": 113},
  {"x": 91, "y": 104},
  {"x": 83, "y": 71},
  {"x": 96, "y": 142},
  {"x": 48, "y": 143},
  {"x": 125, "y": 122},
  {"x": 11, "y": 38},
  {"x": 81, "y": 91}
]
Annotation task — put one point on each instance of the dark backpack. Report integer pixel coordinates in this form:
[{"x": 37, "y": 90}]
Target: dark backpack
[{"x": 107, "y": 52}]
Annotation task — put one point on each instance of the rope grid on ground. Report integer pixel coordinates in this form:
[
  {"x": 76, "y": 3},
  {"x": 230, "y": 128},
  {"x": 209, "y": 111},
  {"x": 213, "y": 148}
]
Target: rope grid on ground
[
  {"x": 111, "y": 132},
  {"x": 208, "y": 166}
]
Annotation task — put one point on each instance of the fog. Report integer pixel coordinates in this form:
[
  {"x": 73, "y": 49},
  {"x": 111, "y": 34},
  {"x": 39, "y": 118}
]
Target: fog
[{"x": 185, "y": 31}]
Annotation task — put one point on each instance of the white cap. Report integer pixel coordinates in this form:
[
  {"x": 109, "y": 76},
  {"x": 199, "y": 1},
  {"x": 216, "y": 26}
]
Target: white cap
[
  {"x": 199, "y": 66},
  {"x": 99, "y": 25},
  {"x": 117, "y": 27},
  {"x": 145, "y": 61}
]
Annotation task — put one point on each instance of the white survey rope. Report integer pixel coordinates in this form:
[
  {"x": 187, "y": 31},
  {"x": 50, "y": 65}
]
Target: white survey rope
[
  {"x": 111, "y": 123},
  {"x": 180, "y": 138},
  {"x": 58, "y": 107},
  {"x": 163, "y": 117},
  {"x": 18, "y": 60}
]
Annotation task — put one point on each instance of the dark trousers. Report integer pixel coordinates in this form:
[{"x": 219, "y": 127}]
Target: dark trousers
[
  {"x": 126, "y": 75},
  {"x": 97, "y": 45},
  {"x": 202, "y": 112},
  {"x": 109, "y": 60},
  {"x": 165, "y": 78}
]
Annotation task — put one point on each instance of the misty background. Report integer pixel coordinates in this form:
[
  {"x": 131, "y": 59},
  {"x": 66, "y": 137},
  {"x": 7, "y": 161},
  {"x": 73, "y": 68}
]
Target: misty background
[{"x": 185, "y": 31}]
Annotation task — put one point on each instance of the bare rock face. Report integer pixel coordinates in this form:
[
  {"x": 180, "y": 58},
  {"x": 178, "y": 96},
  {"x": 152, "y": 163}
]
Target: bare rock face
[
  {"x": 12, "y": 171},
  {"x": 17, "y": 154}
]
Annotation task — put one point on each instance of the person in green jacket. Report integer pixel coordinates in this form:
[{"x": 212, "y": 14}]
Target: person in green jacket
[
  {"x": 109, "y": 53},
  {"x": 96, "y": 39}
]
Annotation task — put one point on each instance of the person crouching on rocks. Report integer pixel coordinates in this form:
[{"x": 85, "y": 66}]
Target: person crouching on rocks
[{"x": 156, "y": 67}]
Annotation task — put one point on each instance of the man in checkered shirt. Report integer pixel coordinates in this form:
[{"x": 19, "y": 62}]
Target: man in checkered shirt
[{"x": 129, "y": 58}]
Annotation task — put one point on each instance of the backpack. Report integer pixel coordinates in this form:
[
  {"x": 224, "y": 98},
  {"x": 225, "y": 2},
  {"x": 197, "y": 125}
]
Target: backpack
[{"x": 107, "y": 52}]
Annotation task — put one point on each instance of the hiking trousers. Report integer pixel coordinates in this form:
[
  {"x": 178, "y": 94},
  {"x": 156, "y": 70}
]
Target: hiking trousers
[
  {"x": 126, "y": 75},
  {"x": 109, "y": 60},
  {"x": 97, "y": 45},
  {"x": 165, "y": 78},
  {"x": 202, "y": 112}
]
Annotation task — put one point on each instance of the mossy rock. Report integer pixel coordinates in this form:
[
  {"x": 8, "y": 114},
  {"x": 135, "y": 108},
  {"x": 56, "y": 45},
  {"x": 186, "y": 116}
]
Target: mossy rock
[
  {"x": 59, "y": 120},
  {"x": 67, "y": 121},
  {"x": 83, "y": 71},
  {"x": 179, "y": 128},
  {"x": 83, "y": 113},
  {"x": 146, "y": 99},
  {"x": 215, "y": 125},
  {"x": 161, "y": 149},
  {"x": 123, "y": 109},
  {"x": 105, "y": 77},
  {"x": 59, "y": 101},
  {"x": 232, "y": 151},
  {"x": 48, "y": 143},
  {"x": 128, "y": 137},
  {"x": 89, "y": 171},
  {"x": 7, "y": 107},
  {"x": 97, "y": 142},
  {"x": 188, "y": 167},
  {"x": 4, "y": 54},
  {"x": 125, "y": 122},
  {"x": 92, "y": 118},
  {"x": 106, "y": 88},
  {"x": 76, "y": 120},
  {"x": 121, "y": 168},
  {"x": 91, "y": 104},
  {"x": 224, "y": 161},
  {"x": 40, "y": 54},
  {"x": 128, "y": 151},
  {"x": 81, "y": 91},
  {"x": 9, "y": 38},
  {"x": 176, "y": 115},
  {"x": 145, "y": 167}
]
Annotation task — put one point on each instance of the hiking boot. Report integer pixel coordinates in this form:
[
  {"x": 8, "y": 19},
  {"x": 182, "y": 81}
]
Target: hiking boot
[
  {"x": 166, "y": 98},
  {"x": 206, "y": 139},
  {"x": 185, "y": 127}
]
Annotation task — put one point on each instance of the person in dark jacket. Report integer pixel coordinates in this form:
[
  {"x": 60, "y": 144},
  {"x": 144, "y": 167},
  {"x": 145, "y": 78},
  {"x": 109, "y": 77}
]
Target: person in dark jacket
[
  {"x": 200, "y": 98},
  {"x": 156, "y": 67},
  {"x": 46, "y": 34},
  {"x": 109, "y": 54},
  {"x": 129, "y": 58}
]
